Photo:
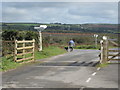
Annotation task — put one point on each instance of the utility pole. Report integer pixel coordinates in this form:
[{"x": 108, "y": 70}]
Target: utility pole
[{"x": 40, "y": 29}]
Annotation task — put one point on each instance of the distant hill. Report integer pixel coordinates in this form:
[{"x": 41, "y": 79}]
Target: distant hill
[{"x": 58, "y": 27}]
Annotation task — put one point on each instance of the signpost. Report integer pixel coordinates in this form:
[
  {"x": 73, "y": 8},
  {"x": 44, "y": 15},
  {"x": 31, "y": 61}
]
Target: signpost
[{"x": 40, "y": 29}]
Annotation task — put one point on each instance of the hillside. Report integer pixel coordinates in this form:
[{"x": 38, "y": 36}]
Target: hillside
[{"x": 58, "y": 27}]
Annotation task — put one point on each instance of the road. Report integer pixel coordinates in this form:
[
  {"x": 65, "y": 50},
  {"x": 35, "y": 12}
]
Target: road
[{"x": 75, "y": 69}]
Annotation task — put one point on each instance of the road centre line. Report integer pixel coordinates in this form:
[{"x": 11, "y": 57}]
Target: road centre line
[
  {"x": 98, "y": 68},
  {"x": 94, "y": 74},
  {"x": 82, "y": 88},
  {"x": 88, "y": 80}
]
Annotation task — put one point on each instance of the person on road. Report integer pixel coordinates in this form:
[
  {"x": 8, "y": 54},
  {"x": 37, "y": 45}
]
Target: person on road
[{"x": 71, "y": 44}]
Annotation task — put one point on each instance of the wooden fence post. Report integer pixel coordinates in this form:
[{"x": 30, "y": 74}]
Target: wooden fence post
[
  {"x": 33, "y": 49},
  {"x": 23, "y": 48},
  {"x": 15, "y": 54},
  {"x": 104, "y": 50}
]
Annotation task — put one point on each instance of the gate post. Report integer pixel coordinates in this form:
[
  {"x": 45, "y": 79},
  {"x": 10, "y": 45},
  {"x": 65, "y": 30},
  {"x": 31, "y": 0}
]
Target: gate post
[
  {"x": 15, "y": 52},
  {"x": 33, "y": 49},
  {"x": 104, "y": 50},
  {"x": 23, "y": 56}
]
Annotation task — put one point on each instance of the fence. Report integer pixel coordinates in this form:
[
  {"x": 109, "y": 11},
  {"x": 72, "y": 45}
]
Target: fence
[
  {"x": 24, "y": 50},
  {"x": 8, "y": 48},
  {"x": 107, "y": 53}
]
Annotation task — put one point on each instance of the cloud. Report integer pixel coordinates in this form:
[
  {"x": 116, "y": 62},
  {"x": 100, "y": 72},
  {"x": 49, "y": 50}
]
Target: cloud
[
  {"x": 64, "y": 12},
  {"x": 61, "y": 1},
  {"x": 98, "y": 10}
]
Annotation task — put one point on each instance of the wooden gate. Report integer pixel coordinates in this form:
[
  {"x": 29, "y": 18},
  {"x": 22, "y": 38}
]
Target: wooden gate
[
  {"x": 109, "y": 50},
  {"x": 24, "y": 50}
]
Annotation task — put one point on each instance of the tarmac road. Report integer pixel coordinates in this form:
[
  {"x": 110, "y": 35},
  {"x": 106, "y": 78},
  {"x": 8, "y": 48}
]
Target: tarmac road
[{"x": 71, "y": 70}]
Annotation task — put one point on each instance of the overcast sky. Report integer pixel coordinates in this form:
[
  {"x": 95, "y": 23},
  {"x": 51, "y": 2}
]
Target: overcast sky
[{"x": 61, "y": 12}]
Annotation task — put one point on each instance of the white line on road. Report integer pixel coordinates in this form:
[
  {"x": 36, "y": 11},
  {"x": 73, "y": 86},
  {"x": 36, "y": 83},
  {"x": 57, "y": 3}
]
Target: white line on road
[
  {"x": 94, "y": 74},
  {"x": 82, "y": 88},
  {"x": 98, "y": 68},
  {"x": 88, "y": 80}
]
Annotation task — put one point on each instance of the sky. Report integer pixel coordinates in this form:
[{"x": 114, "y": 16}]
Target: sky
[{"x": 60, "y": 12}]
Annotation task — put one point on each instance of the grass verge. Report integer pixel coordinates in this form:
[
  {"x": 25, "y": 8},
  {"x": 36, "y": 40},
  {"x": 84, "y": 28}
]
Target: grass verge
[
  {"x": 103, "y": 65},
  {"x": 48, "y": 52},
  {"x": 87, "y": 47},
  {"x": 8, "y": 63}
]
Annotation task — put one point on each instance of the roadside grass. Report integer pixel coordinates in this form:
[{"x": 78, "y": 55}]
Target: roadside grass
[
  {"x": 87, "y": 47},
  {"x": 8, "y": 63},
  {"x": 103, "y": 65},
  {"x": 48, "y": 52}
]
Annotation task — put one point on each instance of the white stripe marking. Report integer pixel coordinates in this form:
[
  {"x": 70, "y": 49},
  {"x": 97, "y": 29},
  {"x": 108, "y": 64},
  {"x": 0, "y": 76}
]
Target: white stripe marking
[
  {"x": 98, "y": 68},
  {"x": 88, "y": 80},
  {"x": 94, "y": 74},
  {"x": 82, "y": 88}
]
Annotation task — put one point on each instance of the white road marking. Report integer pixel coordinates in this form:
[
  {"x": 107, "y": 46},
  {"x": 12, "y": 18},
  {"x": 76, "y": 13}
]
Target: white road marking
[
  {"x": 82, "y": 88},
  {"x": 98, "y": 68},
  {"x": 88, "y": 80},
  {"x": 94, "y": 74}
]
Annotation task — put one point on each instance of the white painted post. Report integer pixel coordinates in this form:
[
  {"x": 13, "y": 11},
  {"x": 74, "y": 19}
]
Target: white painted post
[
  {"x": 40, "y": 41},
  {"x": 101, "y": 53},
  {"x": 104, "y": 50}
]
